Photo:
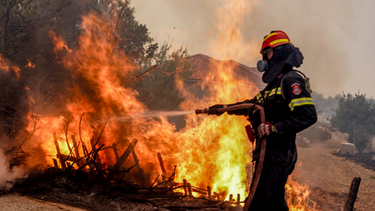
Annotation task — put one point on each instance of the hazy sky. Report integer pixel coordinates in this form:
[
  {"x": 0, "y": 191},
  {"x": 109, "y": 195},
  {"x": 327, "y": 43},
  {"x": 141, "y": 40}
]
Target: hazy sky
[{"x": 335, "y": 36}]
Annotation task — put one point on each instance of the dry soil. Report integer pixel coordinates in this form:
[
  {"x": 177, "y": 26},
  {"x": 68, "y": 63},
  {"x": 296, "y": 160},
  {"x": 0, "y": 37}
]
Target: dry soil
[
  {"x": 329, "y": 176},
  {"x": 17, "y": 202}
]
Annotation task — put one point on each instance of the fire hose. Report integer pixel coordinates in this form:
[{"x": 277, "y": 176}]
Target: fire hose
[{"x": 259, "y": 168}]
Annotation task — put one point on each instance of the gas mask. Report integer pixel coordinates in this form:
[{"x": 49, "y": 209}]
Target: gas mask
[{"x": 262, "y": 65}]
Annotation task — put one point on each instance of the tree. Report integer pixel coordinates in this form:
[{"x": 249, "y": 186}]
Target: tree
[
  {"x": 362, "y": 137},
  {"x": 132, "y": 36},
  {"x": 355, "y": 116},
  {"x": 158, "y": 88},
  {"x": 20, "y": 20}
]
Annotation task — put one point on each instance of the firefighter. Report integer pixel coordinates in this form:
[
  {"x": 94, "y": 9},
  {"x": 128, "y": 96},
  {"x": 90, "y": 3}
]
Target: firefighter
[{"x": 288, "y": 108}]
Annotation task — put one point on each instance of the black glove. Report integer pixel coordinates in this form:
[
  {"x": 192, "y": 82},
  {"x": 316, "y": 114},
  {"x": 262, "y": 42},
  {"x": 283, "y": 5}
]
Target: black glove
[{"x": 213, "y": 110}]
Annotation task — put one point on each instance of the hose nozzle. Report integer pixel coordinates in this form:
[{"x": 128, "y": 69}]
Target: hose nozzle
[{"x": 201, "y": 111}]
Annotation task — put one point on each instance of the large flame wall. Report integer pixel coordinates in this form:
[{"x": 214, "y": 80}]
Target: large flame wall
[{"x": 209, "y": 151}]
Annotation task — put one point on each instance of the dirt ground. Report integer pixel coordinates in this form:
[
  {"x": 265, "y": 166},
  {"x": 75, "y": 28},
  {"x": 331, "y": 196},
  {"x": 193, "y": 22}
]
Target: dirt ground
[
  {"x": 329, "y": 176},
  {"x": 17, "y": 202}
]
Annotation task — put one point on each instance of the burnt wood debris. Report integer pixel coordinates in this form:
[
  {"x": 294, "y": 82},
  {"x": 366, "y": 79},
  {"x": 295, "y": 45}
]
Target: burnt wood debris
[
  {"x": 85, "y": 174},
  {"x": 159, "y": 189}
]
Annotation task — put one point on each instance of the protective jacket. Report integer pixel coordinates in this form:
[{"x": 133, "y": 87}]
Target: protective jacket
[{"x": 290, "y": 114}]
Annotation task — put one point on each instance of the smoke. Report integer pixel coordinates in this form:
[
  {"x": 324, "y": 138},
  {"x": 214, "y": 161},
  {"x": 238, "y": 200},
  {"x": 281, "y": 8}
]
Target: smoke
[
  {"x": 182, "y": 22},
  {"x": 323, "y": 30},
  {"x": 7, "y": 175}
]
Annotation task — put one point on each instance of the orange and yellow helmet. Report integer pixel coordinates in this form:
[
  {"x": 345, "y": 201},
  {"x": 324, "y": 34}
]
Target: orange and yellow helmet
[{"x": 274, "y": 39}]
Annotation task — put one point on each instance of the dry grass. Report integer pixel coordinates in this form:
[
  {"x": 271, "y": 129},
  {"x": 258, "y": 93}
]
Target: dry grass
[{"x": 329, "y": 177}]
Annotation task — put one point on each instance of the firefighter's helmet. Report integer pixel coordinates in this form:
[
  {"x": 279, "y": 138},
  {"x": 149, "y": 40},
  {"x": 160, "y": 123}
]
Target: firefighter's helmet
[{"x": 274, "y": 39}]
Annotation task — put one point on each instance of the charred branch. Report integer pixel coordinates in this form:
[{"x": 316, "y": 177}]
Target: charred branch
[
  {"x": 167, "y": 182},
  {"x": 115, "y": 151},
  {"x": 185, "y": 187},
  {"x": 125, "y": 155}
]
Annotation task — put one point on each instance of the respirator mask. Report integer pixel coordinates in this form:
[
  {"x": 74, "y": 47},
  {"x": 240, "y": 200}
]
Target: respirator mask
[{"x": 263, "y": 64}]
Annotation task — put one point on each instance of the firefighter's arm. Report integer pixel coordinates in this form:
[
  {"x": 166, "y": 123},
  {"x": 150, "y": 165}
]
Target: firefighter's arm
[{"x": 302, "y": 110}]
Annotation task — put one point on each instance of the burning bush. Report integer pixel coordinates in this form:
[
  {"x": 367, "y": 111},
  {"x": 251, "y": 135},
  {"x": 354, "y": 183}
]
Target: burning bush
[{"x": 87, "y": 101}]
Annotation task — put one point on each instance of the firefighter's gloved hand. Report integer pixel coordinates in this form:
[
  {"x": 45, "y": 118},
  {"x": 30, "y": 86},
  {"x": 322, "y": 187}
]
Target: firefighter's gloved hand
[
  {"x": 265, "y": 129},
  {"x": 213, "y": 110}
]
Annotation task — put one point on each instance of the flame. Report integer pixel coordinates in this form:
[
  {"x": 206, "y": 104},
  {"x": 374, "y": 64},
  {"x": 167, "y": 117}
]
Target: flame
[
  {"x": 59, "y": 43},
  {"x": 98, "y": 91},
  {"x": 297, "y": 196},
  {"x": 6, "y": 66},
  {"x": 16, "y": 71},
  {"x": 210, "y": 151},
  {"x": 234, "y": 152},
  {"x": 3, "y": 64},
  {"x": 30, "y": 64}
]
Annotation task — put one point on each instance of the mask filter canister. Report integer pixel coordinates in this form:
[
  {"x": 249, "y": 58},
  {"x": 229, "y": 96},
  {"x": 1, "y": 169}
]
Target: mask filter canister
[{"x": 262, "y": 65}]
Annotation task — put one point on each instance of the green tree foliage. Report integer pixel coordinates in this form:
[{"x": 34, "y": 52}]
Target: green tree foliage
[
  {"x": 131, "y": 36},
  {"x": 362, "y": 137},
  {"x": 355, "y": 116}
]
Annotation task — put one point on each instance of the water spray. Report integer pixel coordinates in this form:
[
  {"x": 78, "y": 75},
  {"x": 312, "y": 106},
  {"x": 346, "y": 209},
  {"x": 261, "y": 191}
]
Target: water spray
[
  {"x": 147, "y": 115},
  {"x": 152, "y": 114}
]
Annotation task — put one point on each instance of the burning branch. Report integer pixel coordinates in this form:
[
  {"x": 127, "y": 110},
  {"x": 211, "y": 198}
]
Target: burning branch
[{"x": 166, "y": 182}]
